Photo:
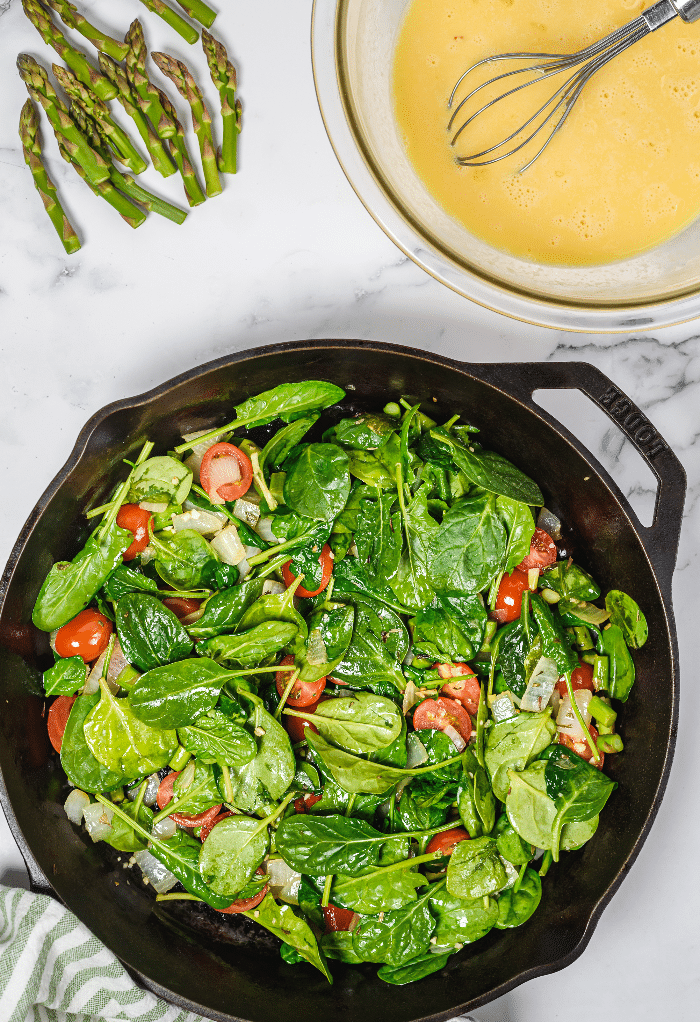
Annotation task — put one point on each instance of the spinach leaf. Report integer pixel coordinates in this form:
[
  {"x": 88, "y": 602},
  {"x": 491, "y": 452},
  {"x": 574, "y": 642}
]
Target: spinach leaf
[
  {"x": 475, "y": 800},
  {"x": 382, "y": 890},
  {"x": 338, "y": 945},
  {"x": 250, "y": 648},
  {"x": 285, "y": 924},
  {"x": 125, "y": 580},
  {"x": 160, "y": 480},
  {"x": 310, "y": 901},
  {"x": 70, "y": 585},
  {"x": 451, "y": 628},
  {"x": 461, "y": 920},
  {"x": 466, "y": 551},
  {"x": 65, "y": 677},
  {"x": 513, "y": 647},
  {"x": 621, "y": 673},
  {"x": 215, "y": 738},
  {"x": 318, "y": 481},
  {"x": 330, "y": 634},
  {"x": 274, "y": 765},
  {"x": 510, "y": 845},
  {"x": 578, "y": 790},
  {"x": 183, "y": 558},
  {"x": 554, "y": 641},
  {"x": 530, "y": 809},
  {"x": 225, "y": 609},
  {"x": 627, "y": 616},
  {"x": 398, "y": 936},
  {"x": 516, "y": 907},
  {"x": 350, "y": 581},
  {"x": 411, "y": 582},
  {"x": 81, "y": 767},
  {"x": 149, "y": 633},
  {"x": 361, "y": 723},
  {"x": 275, "y": 608},
  {"x": 379, "y": 644},
  {"x": 521, "y": 528},
  {"x": 232, "y": 852},
  {"x": 417, "y": 968},
  {"x": 288, "y": 401},
  {"x": 491, "y": 471},
  {"x": 201, "y": 793},
  {"x": 172, "y": 696},
  {"x": 366, "y": 432},
  {"x": 123, "y": 837},
  {"x": 122, "y": 742},
  {"x": 366, "y": 466},
  {"x": 513, "y": 744},
  {"x": 570, "y": 581},
  {"x": 319, "y": 845},
  {"x": 475, "y": 869},
  {"x": 378, "y": 537},
  {"x": 278, "y": 446}
]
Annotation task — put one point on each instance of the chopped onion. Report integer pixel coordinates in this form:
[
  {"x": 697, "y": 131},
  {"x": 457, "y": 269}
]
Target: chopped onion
[
  {"x": 284, "y": 881},
  {"x": 149, "y": 796},
  {"x": 417, "y": 752},
  {"x": 155, "y": 506},
  {"x": 566, "y": 720},
  {"x": 271, "y": 587},
  {"x": 244, "y": 569},
  {"x": 117, "y": 663},
  {"x": 165, "y": 829},
  {"x": 206, "y": 523},
  {"x": 503, "y": 708},
  {"x": 186, "y": 777},
  {"x": 98, "y": 820},
  {"x": 248, "y": 512},
  {"x": 75, "y": 805},
  {"x": 455, "y": 737},
  {"x": 316, "y": 648},
  {"x": 550, "y": 523},
  {"x": 533, "y": 575},
  {"x": 160, "y": 877},
  {"x": 194, "y": 459},
  {"x": 243, "y": 566},
  {"x": 410, "y": 696},
  {"x": 228, "y": 545},
  {"x": 540, "y": 686},
  {"x": 264, "y": 530}
]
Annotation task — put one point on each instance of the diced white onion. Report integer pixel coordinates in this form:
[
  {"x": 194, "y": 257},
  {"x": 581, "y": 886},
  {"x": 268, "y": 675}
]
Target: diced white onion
[
  {"x": 165, "y": 829},
  {"x": 52, "y": 640},
  {"x": 502, "y": 707},
  {"x": 566, "y": 720},
  {"x": 417, "y": 753},
  {"x": 186, "y": 777},
  {"x": 540, "y": 686},
  {"x": 117, "y": 663},
  {"x": 316, "y": 648},
  {"x": 271, "y": 587},
  {"x": 149, "y": 797},
  {"x": 244, "y": 569},
  {"x": 155, "y": 506},
  {"x": 264, "y": 530},
  {"x": 455, "y": 737},
  {"x": 550, "y": 523},
  {"x": 410, "y": 696},
  {"x": 160, "y": 877},
  {"x": 98, "y": 820},
  {"x": 194, "y": 459},
  {"x": 533, "y": 575},
  {"x": 243, "y": 566},
  {"x": 284, "y": 881},
  {"x": 352, "y": 550},
  {"x": 75, "y": 805},
  {"x": 206, "y": 523},
  {"x": 248, "y": 512},
  {"x": 228, "y": 546}
]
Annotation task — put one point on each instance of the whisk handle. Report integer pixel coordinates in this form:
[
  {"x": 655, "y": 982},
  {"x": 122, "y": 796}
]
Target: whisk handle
[{"x": 689, "y": 10}]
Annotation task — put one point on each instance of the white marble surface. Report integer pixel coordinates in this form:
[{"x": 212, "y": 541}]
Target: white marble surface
[{"x": 288, "y": 252}]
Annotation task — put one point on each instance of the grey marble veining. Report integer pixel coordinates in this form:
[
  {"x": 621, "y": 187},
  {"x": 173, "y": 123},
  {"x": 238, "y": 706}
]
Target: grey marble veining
[{"x": 289, "y": 252}]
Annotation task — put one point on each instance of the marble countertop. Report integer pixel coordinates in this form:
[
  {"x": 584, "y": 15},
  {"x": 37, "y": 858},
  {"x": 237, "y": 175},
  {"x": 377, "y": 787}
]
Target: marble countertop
[{"x": 288, "y": 252}]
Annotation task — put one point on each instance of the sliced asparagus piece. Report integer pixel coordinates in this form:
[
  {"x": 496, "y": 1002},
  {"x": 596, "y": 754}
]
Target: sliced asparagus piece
[
  {"x": 198, "y": 11},
  {"x": 188, "y": 32},
  {"x": 106, "y": 190},
  {"x": 179, "y": 74},
  {"x": 69, "y": 15},
  {"x": 146, "y": 94},
  {"x": 156, "y": 149},
  {"x": 223, "y": 75},
  {"x": 75, "y": 59},
  {"x": 180, "y": 153},
  {"x": 118, "y": 139},
  {"x": 31, "y": 144},
  {"x": 40, "y": 89}
]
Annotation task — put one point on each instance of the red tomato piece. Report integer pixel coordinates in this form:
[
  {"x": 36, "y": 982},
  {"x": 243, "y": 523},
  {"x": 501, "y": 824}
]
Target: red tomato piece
[
  {"x": 225, "y": 473},
  {"x": 86, "y": 636},
  {"x": 437, "y": 714},
  {"x": 446, "y": 842},
  {"x": 165, "y": 789},
  {"x": 245, "y": 904},
  {"x": 208, "y": 825},
  {"x": 134, "y": 519},
  {"x": 510, "y": 597},
  {"x": 325, "y": 559},
  {"x": 165, "y": 794},
  {"x": 57, "y": 719},
  {"x": 296, "y": 726},
  {"x": 543, "y": 552},
  {"x": 303, "y": 804},
  {"x": 582, "y": 677},
  {"x": 337, "y": 918},
  {"x": 304, "y": 693},
  {"x": 182, "y": 606},
  {"x": 582, "y": 749},
  {"x": 464, "y": 685}
]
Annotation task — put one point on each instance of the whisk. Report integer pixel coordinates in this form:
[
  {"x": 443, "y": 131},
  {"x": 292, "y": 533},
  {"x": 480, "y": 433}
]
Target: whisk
[{"x": 552, "y": 114}]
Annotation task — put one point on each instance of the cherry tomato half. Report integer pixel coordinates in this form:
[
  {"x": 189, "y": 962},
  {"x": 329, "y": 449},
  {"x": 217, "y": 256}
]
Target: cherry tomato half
[
  {"x": 165, "y": 794},
  {"x": 543, "y": 552},
  {"x": 582, "y": 749},
  {"x": 134, "y": 519},
  {"x": 303, "y": 804},
  {"x": 510, "y": 597},
  {"x": 446, "y": 842},
  {"x": 87, "y": 635},
  {"x": 337, "y": 918},
  {"x": 296, "y": 726},
  {"x": 182, "y": 606},
  {"x": 582, "y": 677},
  {"x": 325, "y": 559},
  {"x": 463, "y": 685},
  {"x": 225, "y": 473},
  {"x": 208, "y": 825},
  {"x": 437, "y": 714},
  {"x": 245, "y": 904},
  {"x": 59, "y": 712},
  {"x": 304, "y": 693}
]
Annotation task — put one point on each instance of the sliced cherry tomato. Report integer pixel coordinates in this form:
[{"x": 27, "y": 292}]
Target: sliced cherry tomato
[
  {"x": 446, "y": 842},
  {"x": 304, "y": 693},
  {"x": 165, "y": 794},
  {"x": 437, "y": 714},
  {"x": 296, "y": 726},
  {"x": 208, "y": 826},
  {"x": 225, "y": 473},
  {"x": 87, "y": 635},
  {"x": 245, "y": 904},
  {"x": 325, "y": 559},
  {"x": 337, "y": 918},
  {"x": 582, "y": 677},
  {"x": 59, "y": 712},
  {"x": 543, "y": 552},
  {"x": 303, "y": 804},
  {"x": 182, "y": 606},
  {"x": 134, "y": 519},
  {"x": 464, "y": 685},
  {"x": 582, "y": 748},
  {"x": 510, "y": 597}
]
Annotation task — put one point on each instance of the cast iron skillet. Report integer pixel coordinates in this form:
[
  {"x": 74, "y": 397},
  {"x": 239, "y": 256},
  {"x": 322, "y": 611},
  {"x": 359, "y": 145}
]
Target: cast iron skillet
[{"x": 174, "y": 951}]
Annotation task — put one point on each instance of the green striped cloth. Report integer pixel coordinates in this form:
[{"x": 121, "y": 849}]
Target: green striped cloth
[{"x": 52, "y": 969}]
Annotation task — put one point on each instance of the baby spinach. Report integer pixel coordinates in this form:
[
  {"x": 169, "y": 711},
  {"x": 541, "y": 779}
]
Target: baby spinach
[
  {"x": 182, "y": 558},
  {"x": 350, "y": 581},
  {"x": 149, "y": 633},
  {"x": 82, "y": 768},
  {"x": 319, "y": 845},
  {"x": 124, "y": 743},
  {"x": 510, "y": 845},
  {"x": 65, "y": 677},
  {"x": 516, "y": 907},
  {"x": 475, "y": 799},
  {"x": 172, "y": 696},
  {"x": 491, "y": 471},
  {"x": 533, "y": 813},
  {"x": 378, "y": 537},
  {"x": 578, "y": 790},
  {"x": 225, "y": 609},
  {"x": 466, "y": 551},
  {"x": 288, "y": 401},
  {"x": 395, "y": 937},
  {"x": 570, "y": 581},
  {"x": 318, "y": 481},
  {"x": 232, "y": 852},
  {"x": 513, "y": 647},
  {"x": 521, "y": 528},
  {"x": 307, "y": 553},
  {"x": 284, "y": 440},
  {"x": 338, "y": 945},
  {"x": 160, "y": 480},
  {"x": 451, "y": 628},
  {"x": 250, "y": 648},
  {"x": 215, "y": 738},
  {"x": 123, "y": 837},
  {"x": 475, "y": 869},
  {"x": 275, "y": 608},
  {"x": 330, "y": 634},
  {"x": 70, "y": 585},
  {"x": 379, "y": 644},
  {"x": 461, "y": 920},
  {"x": 125, "y": 580},
  {"x": 366, "y": 432},
  {"x": 285, "y": 924},
  {"x": 366, "y": 466},
  {"x": 553, "y": 637},
  {"x": 273, "y": 768},
  {"x": 411, "y": 581},
  {"x": 361, "y": 723},
  {"x": 621, "y": 673},
  {"x": 200, "y": 794},
  {"x": 514, "y": 743},
  {"x": 417, "y": 968},
  {"x": 381, "y": 890},
  {"x": 626, "y": 614}
]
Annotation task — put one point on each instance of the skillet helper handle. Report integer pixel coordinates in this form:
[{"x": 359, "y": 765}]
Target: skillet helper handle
[
  {"x": 661, "y": 539},
  {"x": 38, "y": 884}
]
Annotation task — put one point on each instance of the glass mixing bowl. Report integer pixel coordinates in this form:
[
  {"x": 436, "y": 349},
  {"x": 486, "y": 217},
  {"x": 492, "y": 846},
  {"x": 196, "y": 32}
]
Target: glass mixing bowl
[{"x": 353, "y": 46}]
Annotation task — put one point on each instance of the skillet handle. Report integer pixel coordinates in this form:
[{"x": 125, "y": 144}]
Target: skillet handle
[
  {"x": 38, "y": 884},
  {"x": 660, "y": 540}
]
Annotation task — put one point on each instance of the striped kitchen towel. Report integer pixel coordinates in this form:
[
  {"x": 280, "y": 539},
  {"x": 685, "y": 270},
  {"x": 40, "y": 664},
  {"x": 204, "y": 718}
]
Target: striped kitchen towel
[{"x": 52, "y": 969}]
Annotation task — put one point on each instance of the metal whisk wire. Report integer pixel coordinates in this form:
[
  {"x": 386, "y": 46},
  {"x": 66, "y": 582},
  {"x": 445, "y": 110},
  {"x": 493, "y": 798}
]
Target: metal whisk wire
[{"x": 588, "y": 61}]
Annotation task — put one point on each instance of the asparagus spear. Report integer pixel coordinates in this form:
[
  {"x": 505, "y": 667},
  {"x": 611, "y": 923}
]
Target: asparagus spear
[
  {"x": 75, "y": 59},
  {"x": 68, "y": 13},
  {"x": 31, "y": 144},
  {"x": 172, "y": 18},
  {"x": 40, "y": 89},
  {"x": 223, "y": 75},
  {"x": 118, "y": 138},
  {"x": 157, "y": 151},
  {"x": 180, "y": 153},
  {"x": 106, "y": 190},
  {"x": 199, "y": 11},
  {"x": 145, "y": 93},
  {"x": 179, "y": 74}
]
